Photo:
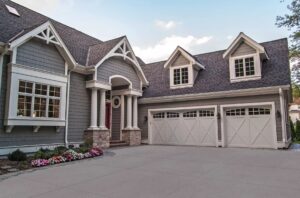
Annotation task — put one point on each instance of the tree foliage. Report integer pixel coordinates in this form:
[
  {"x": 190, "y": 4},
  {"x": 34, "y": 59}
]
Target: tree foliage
[
  {"x": 296, "y": 91},
  {"x": 292, "y": 22}
]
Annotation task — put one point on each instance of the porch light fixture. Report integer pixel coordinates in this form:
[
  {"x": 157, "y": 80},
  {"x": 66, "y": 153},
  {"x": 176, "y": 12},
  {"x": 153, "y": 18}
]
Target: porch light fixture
[
  {"x": 219, "y": 116},
  {"x": 146, "y": 119},
  {"x": 278, "y": 114}
]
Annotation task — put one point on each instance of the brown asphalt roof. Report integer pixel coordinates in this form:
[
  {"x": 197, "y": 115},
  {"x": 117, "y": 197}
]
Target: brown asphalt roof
[
  {"x": 78, "y": 43},
  {"x": 215, "y": 77}
]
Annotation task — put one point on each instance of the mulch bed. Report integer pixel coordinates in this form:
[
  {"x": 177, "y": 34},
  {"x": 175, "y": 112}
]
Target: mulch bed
[{"x": 14, "y": 165}]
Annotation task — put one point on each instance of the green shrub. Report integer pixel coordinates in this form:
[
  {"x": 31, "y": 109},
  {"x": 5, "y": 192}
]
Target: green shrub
[
  {"x": 293, "y": 131},
  {"x": 297, "y": 128},
  {"x": 17, "y": 155},
  {"x": 39, "y": 155},
  {"x": 59, "y": 150}
]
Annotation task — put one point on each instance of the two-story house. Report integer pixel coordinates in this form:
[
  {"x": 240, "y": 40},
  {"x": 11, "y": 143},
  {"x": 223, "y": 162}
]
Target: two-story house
[{"x": 60, "y": 86}]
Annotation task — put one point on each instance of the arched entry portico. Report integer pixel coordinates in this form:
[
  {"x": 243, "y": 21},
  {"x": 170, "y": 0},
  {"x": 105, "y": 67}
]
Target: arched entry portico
[{"x": 117, "y": 109}]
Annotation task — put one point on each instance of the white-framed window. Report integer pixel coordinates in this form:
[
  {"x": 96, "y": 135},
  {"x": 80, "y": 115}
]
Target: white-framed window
[
  {"x": 172, "y": 115},
  {"x": 236, "y": 112},
  {"x": 38, "y": 100},
  {"x": 244, "y": 67},
  {"x": 159, "y": 115},
  {"x": 190, "y": 114},
  {"x": 181, "y": 76},
  {"x": 206, "y": 113}
]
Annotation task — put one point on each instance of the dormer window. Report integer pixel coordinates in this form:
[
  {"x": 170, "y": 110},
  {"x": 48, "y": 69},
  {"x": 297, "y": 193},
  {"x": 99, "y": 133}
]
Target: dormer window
[
  {"x": 181, "y": 76},
  {"x": 244, "y": 67},
  {"x": 183, "y": 69},
  {"x": 245, "y": 57}
]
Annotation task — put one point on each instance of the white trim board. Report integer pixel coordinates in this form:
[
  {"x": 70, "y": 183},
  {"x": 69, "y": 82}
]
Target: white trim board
[
  {"x": 33, "y": 148},
  {"x": 211, "y": 95}
]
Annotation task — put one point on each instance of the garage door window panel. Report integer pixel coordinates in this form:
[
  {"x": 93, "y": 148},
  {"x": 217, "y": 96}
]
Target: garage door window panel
[
  {"x": 236, "y": 112},
  {"x": 172, "y": 115},
  {"x": 190, "y": 114},
  {"x": 159, "y": 115},
  {"x": 259, "y": 111},
  {"x": 206, "y": 113}
]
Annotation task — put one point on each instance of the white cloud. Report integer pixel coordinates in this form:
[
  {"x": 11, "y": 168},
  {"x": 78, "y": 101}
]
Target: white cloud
[
  {"x": 229, "y": 37},
  {"x": 45, "y": 6},
  {"x": 166, "y": 25},
  {"x": 163, "y": 49}
]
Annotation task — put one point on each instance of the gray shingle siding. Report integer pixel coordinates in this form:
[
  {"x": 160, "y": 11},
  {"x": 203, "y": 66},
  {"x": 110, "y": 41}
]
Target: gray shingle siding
[
  {"x": 116, "y": 123},
  {"x": 115, "y": 66},
  {"x": 143, "y": 109},
  {"x": 36, "y": 53},
  {"x": 180, "y": 60},
  {"x": 21, "y": 135},
  {"x": 79, "y": 109},
  {"x": 243, "y": 49}
]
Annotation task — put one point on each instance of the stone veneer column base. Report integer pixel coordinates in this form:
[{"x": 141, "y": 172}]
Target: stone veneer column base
[
  {"x": 133, "y": 137},
  {"x": 99, "y": 138}
]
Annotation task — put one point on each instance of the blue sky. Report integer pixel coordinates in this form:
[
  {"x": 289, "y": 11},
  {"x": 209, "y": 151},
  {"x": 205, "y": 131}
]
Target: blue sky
[{"x": 155, "y": 27}]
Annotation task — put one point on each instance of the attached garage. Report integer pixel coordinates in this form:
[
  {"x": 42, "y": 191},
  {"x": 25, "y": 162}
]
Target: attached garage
[
  {"x": 194, "y": 126},
  {"x": 252, "y": 126}
]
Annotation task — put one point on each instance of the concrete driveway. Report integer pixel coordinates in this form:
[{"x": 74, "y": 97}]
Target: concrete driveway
[{"x": 166, "y": 171}]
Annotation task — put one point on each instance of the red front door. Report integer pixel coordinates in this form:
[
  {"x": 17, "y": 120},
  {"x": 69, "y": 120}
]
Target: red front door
[{"x": 108, "y": 113}]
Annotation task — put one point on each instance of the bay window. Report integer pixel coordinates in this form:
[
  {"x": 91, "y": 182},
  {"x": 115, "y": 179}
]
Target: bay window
[
  {"x": 35, "y": 98},
  {"x": 38, "y": 100}
]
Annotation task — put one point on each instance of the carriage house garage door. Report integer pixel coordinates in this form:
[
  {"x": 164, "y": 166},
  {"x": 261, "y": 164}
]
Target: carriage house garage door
[
  {"x": 252, "y": 126},
  {"x": 196, "y": 126}
]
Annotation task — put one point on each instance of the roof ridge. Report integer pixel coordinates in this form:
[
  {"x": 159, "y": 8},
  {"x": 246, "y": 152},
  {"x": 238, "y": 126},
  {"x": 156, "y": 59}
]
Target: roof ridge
[
  {"x": 217, "y": 51},
  {"x": 103, "y": 42}
]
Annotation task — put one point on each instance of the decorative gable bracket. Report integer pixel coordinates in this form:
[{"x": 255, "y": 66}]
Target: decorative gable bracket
[
  {"x": 124, "y": 50},
  {"x": 48, "y": 36},
  {"x": 46, "y": 32}
]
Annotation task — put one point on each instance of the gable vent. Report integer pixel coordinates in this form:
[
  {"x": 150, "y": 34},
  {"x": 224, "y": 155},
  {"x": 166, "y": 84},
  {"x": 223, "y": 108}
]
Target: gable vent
[{"x": 12, "y": 10}]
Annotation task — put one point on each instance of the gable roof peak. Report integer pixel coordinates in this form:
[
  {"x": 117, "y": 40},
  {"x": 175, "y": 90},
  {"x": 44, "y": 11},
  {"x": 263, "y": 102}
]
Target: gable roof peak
[
  {"x": 186, "y": 54},
  {"x": 242, "y": 37}
]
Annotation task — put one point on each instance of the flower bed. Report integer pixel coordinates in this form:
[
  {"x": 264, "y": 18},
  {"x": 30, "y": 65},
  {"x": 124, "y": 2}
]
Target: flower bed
[{"x": 67, "y": 156}]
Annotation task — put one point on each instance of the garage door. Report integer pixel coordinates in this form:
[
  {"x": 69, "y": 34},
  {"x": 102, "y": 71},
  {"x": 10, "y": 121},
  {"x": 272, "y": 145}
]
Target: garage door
[
  {"x": 249, "y": 127},
  {"x": 192, "y": 127}
]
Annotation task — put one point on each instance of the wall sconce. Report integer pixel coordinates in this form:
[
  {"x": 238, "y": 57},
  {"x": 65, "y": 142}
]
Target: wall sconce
[
  {"x": 219, "y": 116},
  {"x": 146, "y": 119},
  {"x": 278, "y": 114}
]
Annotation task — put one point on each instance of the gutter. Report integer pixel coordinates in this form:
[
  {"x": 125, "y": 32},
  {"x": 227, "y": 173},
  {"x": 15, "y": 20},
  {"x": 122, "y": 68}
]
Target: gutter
[{"x": 211, "y": 95}]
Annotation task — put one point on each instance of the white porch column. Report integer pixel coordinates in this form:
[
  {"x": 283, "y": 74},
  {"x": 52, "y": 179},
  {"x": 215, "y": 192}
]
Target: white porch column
[
  {"x": 135, "y": 112},
  {"x": 129, "y": 112},
  {"x": 94, "y": 109},
  {"x": 102, "y": 110}
]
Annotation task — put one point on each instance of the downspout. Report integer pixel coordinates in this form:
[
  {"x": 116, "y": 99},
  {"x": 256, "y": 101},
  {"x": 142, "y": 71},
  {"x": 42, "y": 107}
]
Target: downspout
[
  {"x": 283, "y": 116},
  {"x": 67, "y": 109},
  {"x": 2, "y": 54}
]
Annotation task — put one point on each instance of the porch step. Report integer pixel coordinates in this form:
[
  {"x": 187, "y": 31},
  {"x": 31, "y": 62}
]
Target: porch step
[{"x": 117, "y": 143}]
